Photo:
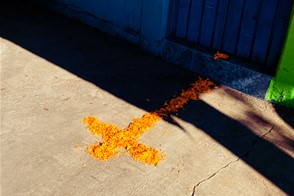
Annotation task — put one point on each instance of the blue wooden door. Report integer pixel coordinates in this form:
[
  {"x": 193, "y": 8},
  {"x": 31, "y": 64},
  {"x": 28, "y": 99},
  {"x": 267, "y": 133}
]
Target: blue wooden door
[{"x": 251, "y": 29}]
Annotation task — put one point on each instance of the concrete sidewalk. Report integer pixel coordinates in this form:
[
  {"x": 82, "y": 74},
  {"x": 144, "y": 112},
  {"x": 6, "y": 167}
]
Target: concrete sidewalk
[{"x": 55, "y": 72}]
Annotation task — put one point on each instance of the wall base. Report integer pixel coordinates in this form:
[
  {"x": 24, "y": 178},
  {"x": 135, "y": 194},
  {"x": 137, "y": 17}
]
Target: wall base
[{"x": 228, "y": 73}]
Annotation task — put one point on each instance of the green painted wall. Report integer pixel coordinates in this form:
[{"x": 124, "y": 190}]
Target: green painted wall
[{"x": 281, "y": 88}]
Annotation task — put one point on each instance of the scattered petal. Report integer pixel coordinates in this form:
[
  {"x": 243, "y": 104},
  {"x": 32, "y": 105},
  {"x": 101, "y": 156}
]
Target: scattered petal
[{"x": 115, "y": 138}]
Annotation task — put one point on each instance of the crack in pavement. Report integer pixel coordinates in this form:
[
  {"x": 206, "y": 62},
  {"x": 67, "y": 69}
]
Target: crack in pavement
[
  {"x": 227, "y": 165},
  {"x": 255, "y": 141}
]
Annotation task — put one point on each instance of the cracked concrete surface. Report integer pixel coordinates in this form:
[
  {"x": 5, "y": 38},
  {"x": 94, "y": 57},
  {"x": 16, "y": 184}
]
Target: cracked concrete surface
[
  {"x": 54, "y": 72},
  {"x": 211, "y": 176},
  {"x": 256, "y": 140},
  {"x": 231, "y": 162}
]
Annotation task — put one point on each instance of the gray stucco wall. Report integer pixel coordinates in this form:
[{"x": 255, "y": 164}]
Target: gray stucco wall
[{"x": 143, "y": 22}]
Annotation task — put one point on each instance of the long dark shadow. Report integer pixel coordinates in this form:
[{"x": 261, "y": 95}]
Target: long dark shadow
[
  {"x": 260, "y": 154},
  {"x": 137, "y": 77},
  {"x": 287, "y": 114}
]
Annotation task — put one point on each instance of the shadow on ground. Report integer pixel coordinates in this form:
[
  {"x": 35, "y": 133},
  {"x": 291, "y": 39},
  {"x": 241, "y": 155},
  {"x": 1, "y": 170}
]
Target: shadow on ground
[
  {"x": 287, "y": 114},
  {"x": 138, "y": 78}
]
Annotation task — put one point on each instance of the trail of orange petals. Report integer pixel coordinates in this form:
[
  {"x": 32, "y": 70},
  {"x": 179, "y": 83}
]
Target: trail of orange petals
[{"x": 115, "y": 138}]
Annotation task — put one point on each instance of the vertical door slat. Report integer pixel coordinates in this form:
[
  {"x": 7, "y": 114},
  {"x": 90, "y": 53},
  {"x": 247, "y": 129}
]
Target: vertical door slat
[
  {"x": 263, "y": 32},
  {"x": 220, "y": 23},
  {"x": 248, "y": 26},
  {"x": 182, "y": 21},
  {"x": 232, "y": 27},
  {"x": 208, "y": 22},
  {"x": 195, "y": 20}
]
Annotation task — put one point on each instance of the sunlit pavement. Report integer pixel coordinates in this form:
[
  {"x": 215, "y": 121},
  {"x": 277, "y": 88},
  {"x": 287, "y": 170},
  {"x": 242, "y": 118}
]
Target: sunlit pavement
[{"x": 55, "y": 72}]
